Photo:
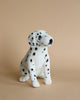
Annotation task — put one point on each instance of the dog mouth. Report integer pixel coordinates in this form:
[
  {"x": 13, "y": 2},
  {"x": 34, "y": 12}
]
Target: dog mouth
[{"x": 42, "y": 44}]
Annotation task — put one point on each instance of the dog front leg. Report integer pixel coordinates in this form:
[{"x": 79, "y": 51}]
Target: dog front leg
[
  {"x": 32, "y": 70},
  {"x": 47, "y": 78}
]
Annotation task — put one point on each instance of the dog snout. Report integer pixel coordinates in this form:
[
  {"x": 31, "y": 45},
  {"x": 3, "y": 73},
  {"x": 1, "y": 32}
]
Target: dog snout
[{"x": 50, "y": 41}]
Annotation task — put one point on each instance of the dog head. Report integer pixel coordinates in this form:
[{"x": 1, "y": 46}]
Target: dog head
[{"x": 40, "y": 38}]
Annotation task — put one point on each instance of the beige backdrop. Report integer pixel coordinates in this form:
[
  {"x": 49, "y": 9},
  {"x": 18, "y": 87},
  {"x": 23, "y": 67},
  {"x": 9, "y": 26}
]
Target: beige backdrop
[{"x": 61, "y": 19}]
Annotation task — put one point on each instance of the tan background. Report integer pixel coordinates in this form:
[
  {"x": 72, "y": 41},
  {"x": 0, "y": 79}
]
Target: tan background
[{"x": 61, "y": 19}]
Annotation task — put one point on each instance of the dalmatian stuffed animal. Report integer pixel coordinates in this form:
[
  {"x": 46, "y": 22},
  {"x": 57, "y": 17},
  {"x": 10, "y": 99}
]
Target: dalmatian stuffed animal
[{"x": 36, "y": 63}]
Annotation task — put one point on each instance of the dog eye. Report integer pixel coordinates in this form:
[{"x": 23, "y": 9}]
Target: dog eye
[{"x": 39, "y": 37}]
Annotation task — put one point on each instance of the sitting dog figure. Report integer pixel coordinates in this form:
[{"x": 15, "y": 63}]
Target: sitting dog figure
[{"x": 36, "y": 62}]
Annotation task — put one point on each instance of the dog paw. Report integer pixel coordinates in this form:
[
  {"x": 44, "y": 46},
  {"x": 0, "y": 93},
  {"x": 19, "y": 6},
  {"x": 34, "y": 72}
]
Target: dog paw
[
  {"x": 35, "y": 84},
  {"x": 48, "y": 82},
  {"x": 23, "y": 78}
]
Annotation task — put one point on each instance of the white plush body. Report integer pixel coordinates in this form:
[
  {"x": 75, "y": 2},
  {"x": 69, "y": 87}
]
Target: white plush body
[{"x": 36, "y": 62}]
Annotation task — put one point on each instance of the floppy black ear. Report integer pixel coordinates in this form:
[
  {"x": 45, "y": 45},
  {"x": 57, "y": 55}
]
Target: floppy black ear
[{"x": 31, "y": 39}]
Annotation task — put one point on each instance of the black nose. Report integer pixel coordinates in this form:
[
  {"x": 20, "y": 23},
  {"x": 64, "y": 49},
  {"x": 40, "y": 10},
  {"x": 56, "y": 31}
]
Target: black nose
[{"x": 50, "y": 41}]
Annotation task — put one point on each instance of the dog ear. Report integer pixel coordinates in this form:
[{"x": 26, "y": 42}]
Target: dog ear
[{"x": 32, "y": 40}]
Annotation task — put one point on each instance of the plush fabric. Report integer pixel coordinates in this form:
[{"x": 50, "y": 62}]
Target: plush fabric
[{"x": 36, "y": 62}]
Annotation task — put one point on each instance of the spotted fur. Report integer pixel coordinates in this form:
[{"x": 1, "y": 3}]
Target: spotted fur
[{"x": 36, "y": 62}]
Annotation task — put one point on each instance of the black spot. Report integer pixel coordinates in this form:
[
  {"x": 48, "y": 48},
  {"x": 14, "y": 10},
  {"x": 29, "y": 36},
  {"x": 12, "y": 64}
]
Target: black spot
[
  {"x": 47, "y": 73},
  {"x": 48, "y": 69},
  {"x": 33, "y": 53},
  {"x": 23, "y": 70},
  {"x": 45, "y": 55},
  {"x": 46, "y": 65},
  {"x": 36, "y": 43},
  {"x": 29, "y": 43},
  {"x": 32, "y": 38},
  {"x": 25, "y": 73},
  {"x": 34, "y": 75},
  {"x": 36, "y": 36},
  {"x": 31, "y": 69},
  {"x": 30, "y": 60},
  {"x": 37, "y": 33},
  {"x": 30, "y": 48},
  {"x": 44, "y": 49},
  {"x": 39, "y": 37},
  {"x": 47, "y": 60},
  {"x": 36, "y": 48},
  {"x": 33, "y": 44}
]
